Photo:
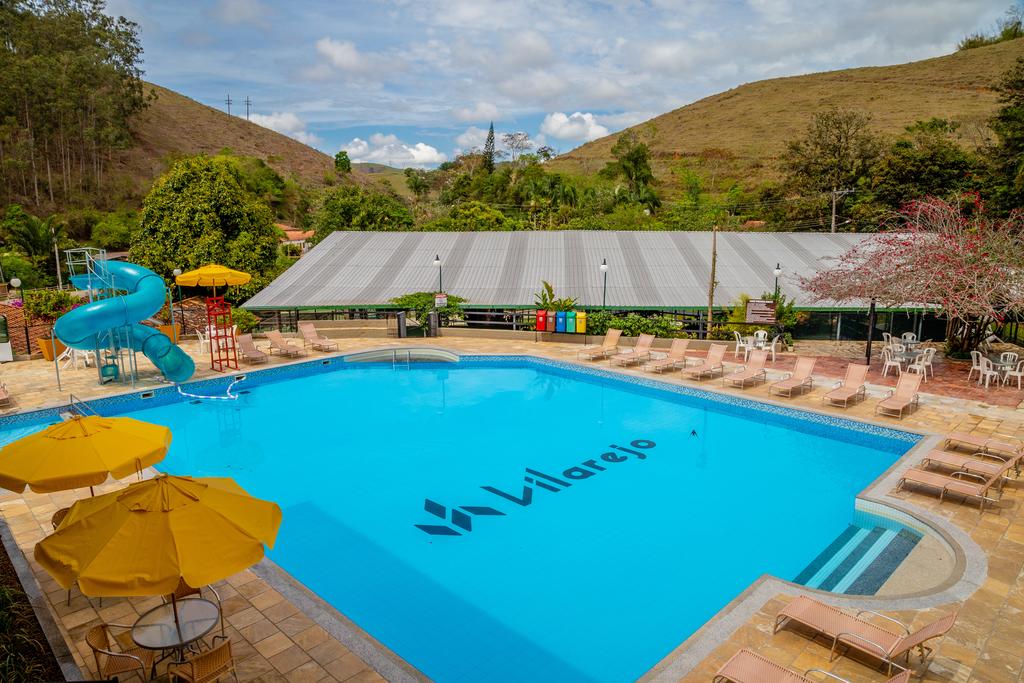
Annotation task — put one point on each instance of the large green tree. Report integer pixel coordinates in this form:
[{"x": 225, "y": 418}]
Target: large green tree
[
  {"x": 1006, "y": 177},
  {"x": 347, "y": 207},
  {"x": 198, "y": 213},
  {"x": 633, "y": 165}
]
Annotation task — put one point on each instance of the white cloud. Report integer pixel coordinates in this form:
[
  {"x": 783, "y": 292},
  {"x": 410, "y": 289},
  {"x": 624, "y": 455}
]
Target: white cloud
[
  {"x": 346, "y": 57},
  {"x": 342, "y": 54},
  {"x": 527, "y": 50},
  {"x": 287, "y": 123},
  {"x": 577, "y": 126},
  {"x": 481, "y": 111},
  {"x": 241, "y": 12},
  {"x": 471, "y": 137},
  {"x": 388, "y": 149}
]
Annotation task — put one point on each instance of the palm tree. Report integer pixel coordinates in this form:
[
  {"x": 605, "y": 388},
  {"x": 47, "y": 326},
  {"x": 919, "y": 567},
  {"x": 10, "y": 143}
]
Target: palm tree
[{"x": 34, "y": 237}]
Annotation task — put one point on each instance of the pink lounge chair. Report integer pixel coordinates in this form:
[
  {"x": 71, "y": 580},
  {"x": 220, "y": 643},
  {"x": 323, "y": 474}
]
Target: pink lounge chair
[
  {"x": 979, "y": 463},
  {"x": 642, "y": 351},
  {"x": 315, "y": 339},
  {"x": 966, "y": 484},
  {"x": 799, "y": 380},
  {"x": 283, "y": 346},
  {"x": 993, "y": 445},
  {"x": 853, "y": 633},
  {"x": 609, "y": 347},
  {"x": 711, "y": 366},
  {"x": 249, "y": 351},
  {"x": 851, "y": 388},
  {"x": 746, "y": 666},
  {"x": 903, "y": 397},
  {"x": 676, "y": 357},
  {"x": 753, "y": 372}
]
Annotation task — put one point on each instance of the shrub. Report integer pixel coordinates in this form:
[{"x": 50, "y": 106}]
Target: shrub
[
  {"x": 422, "y": 303},
  {"x": 246, "y": 321},
  {"x": 21, "y": 653},
  {"x": 546, "y": 299},
  {"x": 114, "y": 231},
  {"x": 46, "y": 305},
  {"x": 633, "y": 324}
]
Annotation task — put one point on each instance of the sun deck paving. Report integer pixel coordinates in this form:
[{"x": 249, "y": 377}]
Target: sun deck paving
[{"x": 274, "y": 640}]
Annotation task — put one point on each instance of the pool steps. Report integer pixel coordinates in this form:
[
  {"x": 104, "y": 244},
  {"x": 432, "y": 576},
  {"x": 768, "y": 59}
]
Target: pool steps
[{"x": 859, "y": 560}]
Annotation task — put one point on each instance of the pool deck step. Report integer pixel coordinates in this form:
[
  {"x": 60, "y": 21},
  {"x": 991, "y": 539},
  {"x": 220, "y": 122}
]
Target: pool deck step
[{"x": 859, "y": 560}]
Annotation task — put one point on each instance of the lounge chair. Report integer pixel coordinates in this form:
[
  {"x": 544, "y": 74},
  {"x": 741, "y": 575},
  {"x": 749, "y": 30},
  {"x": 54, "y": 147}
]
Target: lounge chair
[
  {"x": 993, "y": 445},
  {"x": 851, "y": 388},
  {"x": 676, "y": 357},
  {"x": 642, "y": 351},
  {"x": 753, "y": 372},
  {"x": 798, "y": 380},
  {"x": 283, "y": 346},
  {"x": 746, "y": 666},
  {"x": 313, "y": 338},
  {"x": 250, "y": 353},
  {"x": 854, "y": 633},
  {"x": 5, "y": 396},
  {"x": 609, "y": 347},
  {"x": 979, "y": 463},
  {"x": 711, "y": 366},
  {"x": 903, "y": 397},
  {"x": 967, "y": 484}
]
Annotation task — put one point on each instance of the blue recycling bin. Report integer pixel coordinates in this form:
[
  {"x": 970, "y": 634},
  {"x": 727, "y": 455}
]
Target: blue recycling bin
[
  {"x": 570, "y": 322},
  {"x": 560, "y": 321}
]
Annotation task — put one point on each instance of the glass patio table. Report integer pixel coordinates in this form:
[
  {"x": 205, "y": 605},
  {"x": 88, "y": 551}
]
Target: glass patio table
[{"x": 175, "y": 625}]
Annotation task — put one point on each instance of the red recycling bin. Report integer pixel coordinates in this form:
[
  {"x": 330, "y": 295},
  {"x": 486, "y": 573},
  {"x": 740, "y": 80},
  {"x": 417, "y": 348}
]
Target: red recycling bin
[{"x": 542, "y": 318}]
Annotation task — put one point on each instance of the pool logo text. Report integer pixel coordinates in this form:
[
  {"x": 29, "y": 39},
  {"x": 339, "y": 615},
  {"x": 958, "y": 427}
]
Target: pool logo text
[{"x": 460, "y": 518}]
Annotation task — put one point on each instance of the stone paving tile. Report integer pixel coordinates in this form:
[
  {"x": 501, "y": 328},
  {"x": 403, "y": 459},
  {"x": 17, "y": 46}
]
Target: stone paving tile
[{"x": 983, "y": 646}]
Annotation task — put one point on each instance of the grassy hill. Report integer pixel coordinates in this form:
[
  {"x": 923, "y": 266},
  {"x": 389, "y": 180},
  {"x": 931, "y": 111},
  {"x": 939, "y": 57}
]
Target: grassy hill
[
  {"x": 753, "y": 121},
  {"x": 382, "y": 178},
  {"x": 174, "y": 125}
]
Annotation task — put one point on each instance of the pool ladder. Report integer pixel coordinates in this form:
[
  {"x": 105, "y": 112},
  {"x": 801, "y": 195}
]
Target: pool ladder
[{"x": 396, "y": 363}]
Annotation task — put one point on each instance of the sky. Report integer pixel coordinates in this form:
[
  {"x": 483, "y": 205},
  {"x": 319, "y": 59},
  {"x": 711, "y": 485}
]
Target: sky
[{"x": 416, "y": 82}]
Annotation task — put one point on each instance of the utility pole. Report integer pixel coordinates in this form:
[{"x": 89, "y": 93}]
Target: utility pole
[
  {"x": 248, "y": 103},
  {"x": 229, "y": 102},
  {"x": 836, "y": 194},
  {"x": 711, "y": 282}
]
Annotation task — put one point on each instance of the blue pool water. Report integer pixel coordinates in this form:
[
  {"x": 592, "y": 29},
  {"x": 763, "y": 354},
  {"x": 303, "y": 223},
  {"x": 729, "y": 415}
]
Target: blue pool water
[{"x": 612, "y": 556}]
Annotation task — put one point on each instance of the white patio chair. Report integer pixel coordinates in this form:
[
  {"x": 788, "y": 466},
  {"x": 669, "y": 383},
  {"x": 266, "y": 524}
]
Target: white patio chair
[
  {"x": 761, "y": 337},
  {"x": 890, "y": 362},
  {"x": 988, "y": 373},
  {"x": 1018, "y": 373},
  {"x": 896, "y": 347},
  {"x": 204, "y": 340},
  {"x": 922, "y": 363},
  {"x": 886, "y": 338},
  {"x": 1008, "y": 357},
  {"x": 976, "y": 365},
  {"x": 774, "y": 345},
  {"x": 908, "y": 336},
  {"x": 741, "y": 344}
]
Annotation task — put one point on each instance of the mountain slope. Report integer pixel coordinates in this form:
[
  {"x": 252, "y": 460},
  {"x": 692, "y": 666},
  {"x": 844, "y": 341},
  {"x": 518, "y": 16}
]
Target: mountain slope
[
  {"x": 755, "y": 120},
  {"x": 174, "y": 125}
]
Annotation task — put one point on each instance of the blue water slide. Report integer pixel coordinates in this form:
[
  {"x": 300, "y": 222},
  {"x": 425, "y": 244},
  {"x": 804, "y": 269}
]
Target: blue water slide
[{"x": 85, "y": 327}]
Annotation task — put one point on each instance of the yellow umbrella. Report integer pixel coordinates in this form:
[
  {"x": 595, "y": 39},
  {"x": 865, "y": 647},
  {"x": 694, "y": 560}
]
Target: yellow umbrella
[
  {"x": 143, "y": 539},
  {"x": 212, "y": 275},
  {"x": 82, "y": 451}
]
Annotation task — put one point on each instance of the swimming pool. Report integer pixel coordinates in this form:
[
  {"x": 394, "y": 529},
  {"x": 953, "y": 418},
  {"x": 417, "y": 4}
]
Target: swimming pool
[{"x": 509, "y": 519}]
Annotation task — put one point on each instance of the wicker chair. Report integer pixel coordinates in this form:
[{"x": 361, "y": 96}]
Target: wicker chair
[
  {"x": 184, "y": 590},
  {"x": 111, "y": 662},
  {"x": 206, "y": 667},
  {"x": 58, "y": 517}
]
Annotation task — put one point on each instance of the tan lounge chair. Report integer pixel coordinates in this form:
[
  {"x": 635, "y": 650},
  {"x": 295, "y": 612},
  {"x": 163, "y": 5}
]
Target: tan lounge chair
[
  {"x": 283, "y": 346},
  {"x": 799, "y": 380},
  {"x": 711, "y": 366},
  {"x": 979, "y": 463},
  {"x": 903, "y": 397},
  {"x": 746, "y": 666},
  {"x": 753, "y": 372},
  {"x": 967, "y": 484},
  {"x": 993, "y": 445},
  {"x": 853, "y": 633},
  {"x": 676, "y": 357},
  {"x": 313, "y": 338},
  {"x": 852, "y": 388},
  {"x": 5, "y": 396},
  {"x": 642, "y": 351},
  {"x": 250, "y": 353},
  {"x": 609, "y": 347}
]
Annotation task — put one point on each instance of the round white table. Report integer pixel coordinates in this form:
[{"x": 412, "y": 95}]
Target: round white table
[{"x": 175, "y": 625}]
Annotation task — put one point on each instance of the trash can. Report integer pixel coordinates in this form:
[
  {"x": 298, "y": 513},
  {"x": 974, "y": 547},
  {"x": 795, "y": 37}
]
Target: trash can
[
  {"x": 6, "y": 354},
  {"x": 570, "y": 322},
  {"x": 542, "y": 321},
  {"x": 551, "y": 321},
  {"x": 402, "y": 329},
  {"x": 560, "y": 321},
  {"x": 581, "y": 322}
]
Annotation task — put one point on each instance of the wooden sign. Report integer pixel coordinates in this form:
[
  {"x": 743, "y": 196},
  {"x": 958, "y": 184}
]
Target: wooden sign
[{"x": 761, "y": 311}]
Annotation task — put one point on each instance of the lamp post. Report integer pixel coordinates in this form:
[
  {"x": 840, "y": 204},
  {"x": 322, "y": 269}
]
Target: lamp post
[
  {"x": 777, "y": 272},
  {"x": 437, "y": 264},
  {"x": 604, "y": 290},
  {"x": 16, "y": 283},
  {"x": 174, "y": 329}
]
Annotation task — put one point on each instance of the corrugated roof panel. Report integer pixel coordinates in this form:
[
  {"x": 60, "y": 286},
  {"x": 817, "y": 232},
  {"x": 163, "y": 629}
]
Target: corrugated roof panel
[{"x": 498, "y": 269}]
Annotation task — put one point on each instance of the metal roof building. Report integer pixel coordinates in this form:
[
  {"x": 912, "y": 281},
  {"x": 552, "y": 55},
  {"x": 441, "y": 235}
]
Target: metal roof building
[{"x": 653, "y": 270}]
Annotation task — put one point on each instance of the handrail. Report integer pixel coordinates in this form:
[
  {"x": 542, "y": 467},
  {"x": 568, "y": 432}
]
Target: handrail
[{"x": 81, "y": 407}]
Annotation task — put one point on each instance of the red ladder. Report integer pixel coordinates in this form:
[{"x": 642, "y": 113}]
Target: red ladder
[{"x": 222, "y": 335}]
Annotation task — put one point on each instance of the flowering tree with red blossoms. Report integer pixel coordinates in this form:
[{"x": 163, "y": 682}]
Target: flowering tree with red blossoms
[{"x": 952, "y": 258}]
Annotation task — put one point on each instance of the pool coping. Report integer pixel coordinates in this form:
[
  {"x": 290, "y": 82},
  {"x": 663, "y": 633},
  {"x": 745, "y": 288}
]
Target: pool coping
[{"x": 967, "y": 576}]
